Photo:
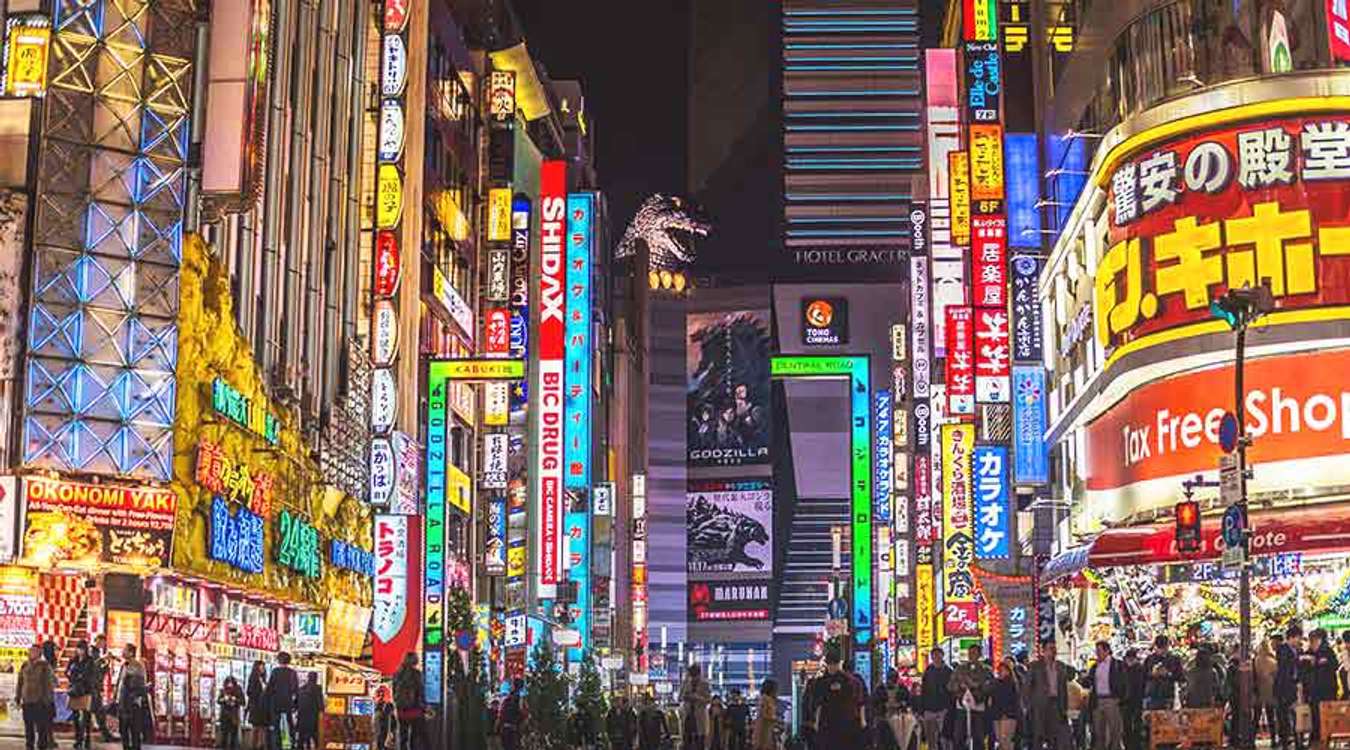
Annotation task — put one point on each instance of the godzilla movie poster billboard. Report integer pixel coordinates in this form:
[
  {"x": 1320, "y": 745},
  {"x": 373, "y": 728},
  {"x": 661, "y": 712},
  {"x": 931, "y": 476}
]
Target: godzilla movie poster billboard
[
  {"x": 728, "y": 388},
  {"x": 730, "y": 529}
]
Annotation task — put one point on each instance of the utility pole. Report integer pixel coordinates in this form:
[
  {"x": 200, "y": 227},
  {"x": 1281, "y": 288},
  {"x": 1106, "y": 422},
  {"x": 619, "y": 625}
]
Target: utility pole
[{"x": 1240, "y": 308}]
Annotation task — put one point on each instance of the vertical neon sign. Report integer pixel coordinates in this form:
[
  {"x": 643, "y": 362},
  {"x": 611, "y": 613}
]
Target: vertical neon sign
[
  {"x": 855, "y": 369},
  {"x": 577, "y": 409},
  {"x": 549, "y": 430}
]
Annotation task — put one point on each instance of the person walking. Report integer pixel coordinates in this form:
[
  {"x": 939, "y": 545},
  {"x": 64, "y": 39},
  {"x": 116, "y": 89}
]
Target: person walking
[
  {"x": 1106, "y": 685},
  {"x": 1163, "y": 674},
  {"x": 410, "y": 704},
  {"x": 385, "y": 729},
  {"x": 1203, "y": 689},
  {"x": 231, "y": 702},
  {"x": 257, "y": 706},
  {"x": 838, "y": 705},
  {"x": 765, "y": 734},
  {"x": 79, "y": 690},
  {"x": 695, "y": 695},
  {"x": 1005, "y": 704},
  {"x": 717, "y": 717},
  {"x": 1287, "y": 685},
  {"x": 738, "y": 721},
  {"x": 283, "y": 685},
  {"x": 99, "y": 653},
  {"x": 1132, "y": 706},
  {"x": 133, "y": 700},
  {"x": 652, "y": 728},
  {"x": 1322, "y": 679},
  {"x": 621, "y": 724},
  {"x": 1049, "y": 700},
  {"x": 1263, "y": 674},
  {"x": 308, "y": 710},
  {"x": 970, "y": 685},
  {"x": 511, "y": 717},
  {"x": 35, "y": 693},
  {"x": 935, "y": 700}
]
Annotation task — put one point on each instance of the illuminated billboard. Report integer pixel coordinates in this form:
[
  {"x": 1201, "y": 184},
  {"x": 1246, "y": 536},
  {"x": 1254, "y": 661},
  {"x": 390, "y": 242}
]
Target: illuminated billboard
[
  {"x": 727, "y": 394},
  {"x": 577, "y": 408},
  {"x": 960, "y": 609},
  {"x": 855, "y": 369},
  {"x": 549, "y": 375}
]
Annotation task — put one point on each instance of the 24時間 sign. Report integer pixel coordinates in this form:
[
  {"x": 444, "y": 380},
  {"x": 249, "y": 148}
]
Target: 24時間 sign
[
  {"x": 1225, "y": 208},
  {"x": 548, "y": 470}
]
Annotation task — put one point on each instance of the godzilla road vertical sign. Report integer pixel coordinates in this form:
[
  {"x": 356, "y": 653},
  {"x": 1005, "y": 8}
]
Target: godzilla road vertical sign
[{"x": 549, "y": 374}]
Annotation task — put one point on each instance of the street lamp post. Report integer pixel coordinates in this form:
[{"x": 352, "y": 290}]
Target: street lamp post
[{"x": 1240, "y": 308}]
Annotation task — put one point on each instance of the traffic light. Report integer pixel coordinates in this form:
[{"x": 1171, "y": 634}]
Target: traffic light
[{"x": 1188, "y": 527}]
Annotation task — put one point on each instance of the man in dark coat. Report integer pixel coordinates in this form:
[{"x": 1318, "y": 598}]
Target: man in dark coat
[
  {"x": 1286, "y": 686},
  {"x": 1323, "y": 682},
  {"x": 1163, "y": 671},
  {"x": 1106, "y": 685},
  {"x": 1049, "y": 689},
  {"x": 935, "y": 700},
  {"x": 1132, "y": 707},
  {"x": 283, "y": 685}
]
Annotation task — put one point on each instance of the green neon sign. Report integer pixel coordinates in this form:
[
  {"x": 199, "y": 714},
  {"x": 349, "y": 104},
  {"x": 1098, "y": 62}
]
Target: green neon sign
[
  {"x": 477, "y": 370},
  {"x": 855, "y": 369}
]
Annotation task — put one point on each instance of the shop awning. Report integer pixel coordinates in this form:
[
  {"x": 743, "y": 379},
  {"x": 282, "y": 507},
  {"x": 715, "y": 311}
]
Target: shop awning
[{"x": 1309, "y": 529}]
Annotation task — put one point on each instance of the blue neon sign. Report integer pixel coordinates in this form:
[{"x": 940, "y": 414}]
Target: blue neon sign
[
  {"x": 882, "y": 476},
  {"x": 1031, "y": 465},
  {"x": 236, "y": 539},
  {"x": 993, "y": 514},
  {"x": 577, "y": 408}
]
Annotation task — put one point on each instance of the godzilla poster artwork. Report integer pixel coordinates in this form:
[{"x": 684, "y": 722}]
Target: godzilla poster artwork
[
  {"x": 728, "y": 396},
  {"x": 730, "y": 528}
]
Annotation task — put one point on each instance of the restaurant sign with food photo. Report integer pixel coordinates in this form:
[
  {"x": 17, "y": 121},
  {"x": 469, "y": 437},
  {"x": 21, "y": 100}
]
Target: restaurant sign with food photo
[{"x": 70, "y": 523}]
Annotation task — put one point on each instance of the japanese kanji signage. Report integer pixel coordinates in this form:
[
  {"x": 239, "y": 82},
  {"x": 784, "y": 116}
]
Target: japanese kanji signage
[
  {"x": 958, "y": 172},
  {"x": 28, "y": 38},
  {"x": 992, "y": 361},
  {"x": 986, "y": 165},
  {"x": 993, "y": 513},
  {"x": 983, "y": 81},
  {"x": 960, "y": 616},
  {"x": 547, "y": 471},
  {"x": 1238, "y": 205},
  {"x": 1026, "y": 309},
  {"x": 979, "y": 20},
  {"x": 1338, "y": 29},
  {"x": 960, "y": 361},
  {"x": 989, "y": 251}
]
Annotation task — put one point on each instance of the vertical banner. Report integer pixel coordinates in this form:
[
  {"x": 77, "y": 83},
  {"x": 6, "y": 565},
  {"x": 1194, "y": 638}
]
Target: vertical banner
[
  {"x": 943, "y": 126},
  {"x": 494, "y": 547},
  {"x": 861, "y": 477},
  {"x": 925, "y": 604},
  {"x": 577, "y": 412},
  {"x": 960, "y": 381},
  {"x": 1031, "y": 464},
  {"x": 992, "y": 355},
  {"x": 549, "y": 375},
  {"x": 1026, "y": 309},
  {"x": 960, "y": 611},
  {"x": 396, "y": 620},
  {"x": 989, "y": 260},
  {"x": 882, "y": 480},
  {"x": 958, "y": 171},
  {"x": 993, "y": 511}
]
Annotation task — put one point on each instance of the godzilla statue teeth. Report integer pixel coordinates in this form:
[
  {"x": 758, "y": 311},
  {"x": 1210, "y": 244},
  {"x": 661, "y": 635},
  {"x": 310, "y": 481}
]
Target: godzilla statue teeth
[{"x": 667, "y": 225}]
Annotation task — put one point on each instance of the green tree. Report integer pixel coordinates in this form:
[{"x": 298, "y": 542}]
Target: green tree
[
  {"x": 589, "y": 698},
  {"x": 546, "y": 689}
]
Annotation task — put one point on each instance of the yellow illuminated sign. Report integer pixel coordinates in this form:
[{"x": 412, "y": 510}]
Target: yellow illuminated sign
[
  {"x": 499, "y": 215},
  {"x": 924, "y": 601},
  {"x": 27, "y": 50},
  {"x": 458, "y": 488},
  {"x": 958, "y": 171},
  {"x": 477, "y": 369},
  {"x": 515, "y": 562},
  {"x": 388, "y": 197},
  {"x": 986, "y": 162}
]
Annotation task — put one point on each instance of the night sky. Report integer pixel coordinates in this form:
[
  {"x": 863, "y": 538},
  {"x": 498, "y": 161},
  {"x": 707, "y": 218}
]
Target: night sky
[{"x": 630, "y": 57}]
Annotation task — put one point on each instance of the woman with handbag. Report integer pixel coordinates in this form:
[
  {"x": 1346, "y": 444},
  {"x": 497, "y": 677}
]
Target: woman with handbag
[
  {"x": 133, "y": 700},
  {"x": 80, "y": 679},
  {"x": 259, "y": 720},
  {"x": 231, "y": 703}
]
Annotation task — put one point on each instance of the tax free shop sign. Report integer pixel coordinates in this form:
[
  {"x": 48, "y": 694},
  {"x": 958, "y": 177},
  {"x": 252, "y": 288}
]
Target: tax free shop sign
[{"x": 1297, "y": 414}]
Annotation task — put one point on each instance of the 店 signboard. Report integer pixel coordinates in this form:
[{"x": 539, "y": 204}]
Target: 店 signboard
[
  {"x": 989, "y": 258},
  {"x": 502, "y": 96},
  {"x": 1297, "y": 414},
  {"x": 958, "y": 173},
  {"x": 961, "y": 613},
  {"x": 85, "y": 524},
  {"x": 495, "y": 451},
  {"x": 393, "y": 66},
  {"x": 499, "y": 214},
  {"x": 979, "y": 20},
  {"x": 960, "y": 361},
  {"x": 391, "y": 130},
  {"x": 388, "y": 196},
  {"x": 28, "y": 38},
  {"x": 1224, "y": 208},
  {"x": 992, "y": 356}
]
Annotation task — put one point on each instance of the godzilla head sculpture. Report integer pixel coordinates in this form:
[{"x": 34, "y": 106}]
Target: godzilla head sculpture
[{"x": 668, "y": 224}]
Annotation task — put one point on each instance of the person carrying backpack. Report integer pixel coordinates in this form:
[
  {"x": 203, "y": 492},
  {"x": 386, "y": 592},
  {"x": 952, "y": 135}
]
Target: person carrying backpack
[
  {"x": 409, "y": 704},
  {"x": 653, "y": 732},
  {"x": 838, "y": 704}
]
